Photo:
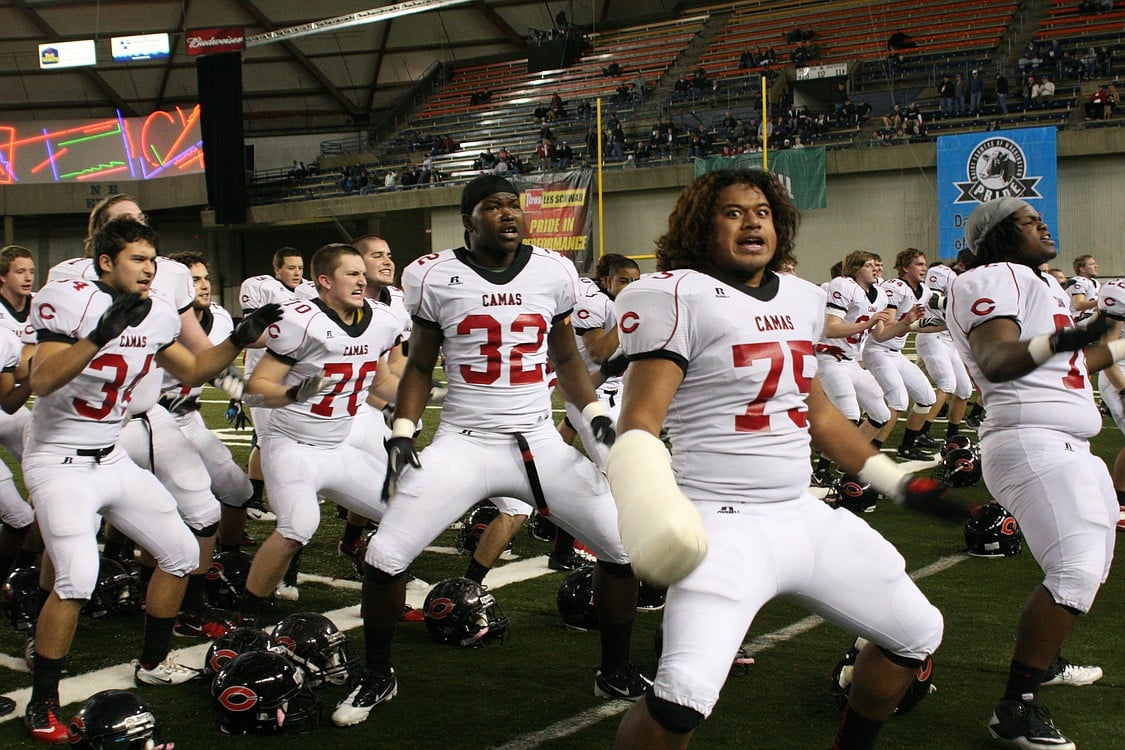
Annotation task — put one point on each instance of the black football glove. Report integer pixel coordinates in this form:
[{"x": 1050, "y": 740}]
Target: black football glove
[
  {"x": 1073, "y": 339},
  {"x": 933, "y": 498},
  {"x": 614, "y": 366},
  {"x": 236, "y": 415},
  {"x": 400, "y": 452},
  {"x": 602, "y": 427},
  {"x": 254, "y": 325},
  {"x": 126, "y": 311}
]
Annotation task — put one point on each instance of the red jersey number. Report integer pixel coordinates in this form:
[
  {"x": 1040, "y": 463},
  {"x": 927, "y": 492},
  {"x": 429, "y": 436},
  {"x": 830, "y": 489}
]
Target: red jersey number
[
  {"x": 491, "y": 351},
  {"x": 755, "y": 419}
]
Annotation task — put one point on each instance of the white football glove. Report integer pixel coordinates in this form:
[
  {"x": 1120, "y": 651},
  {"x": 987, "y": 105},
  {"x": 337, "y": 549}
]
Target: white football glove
[
  {"x": 660, "y": 527},
  {"x": 230, "y": 380},
  {"x": 308, "y": 387}
]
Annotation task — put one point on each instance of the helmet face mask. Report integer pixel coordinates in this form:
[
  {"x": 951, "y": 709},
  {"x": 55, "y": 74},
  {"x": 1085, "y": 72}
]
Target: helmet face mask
[
  {"x": 261, "y": 692},
  {"x": 115, "y": 719},
  {"x": 117, "y": 590},
  {"x": 856, "y": 497},
  {"x": 316, "y": 645},
  {"x": 961, "y": 467},
  {"x": 226, "y": 579},
  {"x": 576, "y": 599},
  {"x": 992, "y": 532},
  {"x": 461, "y": 612}
]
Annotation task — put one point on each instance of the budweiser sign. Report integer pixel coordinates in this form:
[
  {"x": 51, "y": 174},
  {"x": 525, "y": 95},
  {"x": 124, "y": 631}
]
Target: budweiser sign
[{"x": 206, "y": 41}]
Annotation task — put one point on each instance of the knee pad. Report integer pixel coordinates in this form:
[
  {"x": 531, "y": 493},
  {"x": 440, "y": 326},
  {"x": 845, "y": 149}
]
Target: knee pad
[
  {"x": 672, "y": 716},
  {"x": 206, "y": 531},
  {"x": 903, "y": 661},
  {"x": 617, "y": 570},
  {"x": 876, "y": 425},
  {"x": 923, "y": 409},
  {"x": 371, "y": 574}
]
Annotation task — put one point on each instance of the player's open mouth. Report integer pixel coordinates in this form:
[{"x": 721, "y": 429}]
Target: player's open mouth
[{"x": 752, "y": 242}]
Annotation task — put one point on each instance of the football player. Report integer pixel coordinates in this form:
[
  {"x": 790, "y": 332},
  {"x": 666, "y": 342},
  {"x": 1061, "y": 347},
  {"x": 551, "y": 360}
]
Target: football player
[
  {"x": 900, "y": 379},
  {"x": 321, "y": 360},
  {"x": 1111, "y": 380},
  {"x": 1012, "y": 326},
  {"x": 943, "y": 364},
  {"x": 728, "y": 522},
  {"x": 497, "y": 308},
  {"x": 96, "y": 342},
  {"x": 1083, "y": 287}
]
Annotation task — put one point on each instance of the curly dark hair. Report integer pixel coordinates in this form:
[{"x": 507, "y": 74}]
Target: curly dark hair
[{"x": 687, "y": 244}]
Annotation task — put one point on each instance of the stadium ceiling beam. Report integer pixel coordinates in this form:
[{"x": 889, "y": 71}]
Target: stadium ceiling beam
[
  {"x": 91, "y": 75},
  {"x": 171, "y": 57},
  {"x": 348, "y": 106},
  {"x": 380, "y": 55},
  {"x": 517, "y": 39}
]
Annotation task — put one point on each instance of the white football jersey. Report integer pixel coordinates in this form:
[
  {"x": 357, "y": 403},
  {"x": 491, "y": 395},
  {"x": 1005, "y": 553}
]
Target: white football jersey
[
  {"x": 17, "y": 321},
  {"x": 495, "y": 328},
  {"x": 847, "y": 301},
  {"x": 313, "y": 338},
  {"x": 593, "y": 311},
  {"x": 1057, "y": 394},
  {"x": 255, "y": 292},
  {"x": 1085, "y": 286},
  {"x": 940, "y": 278},
  {"x": 10, "y": 349},
  {"x": 901, "y": 297},
  {"x": 740, "y": 413},
  {"x": 395, "y": 298},
  {"x": 218, "y": 325},
  {"x": 88, "y": 411}
]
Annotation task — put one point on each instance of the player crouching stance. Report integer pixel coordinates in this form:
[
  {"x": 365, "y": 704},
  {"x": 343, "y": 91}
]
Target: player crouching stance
[
  {"x": 96, "y": 340},
  {"x": 740, "y": 403},
  {"x": 321, "y": 359}
]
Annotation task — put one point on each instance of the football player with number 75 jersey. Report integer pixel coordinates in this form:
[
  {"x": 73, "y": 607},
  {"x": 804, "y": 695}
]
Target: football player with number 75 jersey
[
  {"x": 721, "y": 354},
  {"x": 322, "y": 358}
]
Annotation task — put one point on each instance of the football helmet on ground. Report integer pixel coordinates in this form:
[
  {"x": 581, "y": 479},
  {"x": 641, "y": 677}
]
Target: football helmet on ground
[
  {"x": 461, "y": 612},
  {"x": 992, "y": 532},
  {"x": 473, "y": 526},
  {"x": 854, "y": 496},
  {"x": 19, "y": 596},
  {"x": 226, "y": 579},
  {"x": 117, "y": 590},
  {"x": 232, "y": 643},
  {"x": 115, "y": 719},
  {"x": 315, "y": 644},
  {"x": 961, "y": 468},
  {"x": 841, "y": 681},
  {"x": 262, "y": 692},
  {"x": 576, "y": 599}
]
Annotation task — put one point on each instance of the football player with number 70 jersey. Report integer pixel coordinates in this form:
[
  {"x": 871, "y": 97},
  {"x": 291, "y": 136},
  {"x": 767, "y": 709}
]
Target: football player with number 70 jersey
[
  {"x": 720, "y": 349},
  {"x": 322, "y": 358}
]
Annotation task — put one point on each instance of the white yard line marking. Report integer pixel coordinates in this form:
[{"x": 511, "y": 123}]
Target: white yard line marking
[
  {"x": 761, "y": 643},
  {"x": 120, "y": 676}
]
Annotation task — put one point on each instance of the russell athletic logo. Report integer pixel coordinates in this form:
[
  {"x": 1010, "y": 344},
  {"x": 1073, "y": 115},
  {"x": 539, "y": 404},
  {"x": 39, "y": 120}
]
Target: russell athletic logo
[{"x": 997, "y": 168}]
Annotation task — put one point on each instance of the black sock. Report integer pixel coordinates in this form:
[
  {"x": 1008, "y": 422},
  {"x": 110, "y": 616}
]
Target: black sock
[
  {"x": 290, "y": 578},
  {"x": 909, "y": 437},
  {"x": 615, "y": 645},
  {"x": 563, "y": 544},
  {"x": 1023, "y": 682},
  {"x": 24, "y": 558},
  {"x": 193, "y": 595},
  {"x": 229, "y": 547},
  {"x": 45, "y": 678},
  {"x": 823, "y": 464},
  {"x": 378, "y": 643},
  {"x": 477, "y": 571},
  {"x": 878, "y": 444},
  {"x": 952, "y": 429},
  {"x": 257, "y": 486},
  {"x": 977, "y": 410},
  {"x": 352, "y": 533},
  {"x": 1121, "y": 497},
  {"x": 856, "y": 732},
  {"x": 926, "y": 427},
  {"x": 157, "y": 640}
]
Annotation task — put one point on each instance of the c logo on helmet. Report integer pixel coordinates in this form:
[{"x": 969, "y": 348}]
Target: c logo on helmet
[
  {"x": 286, "y": 641},
  {"x": 925, "y": 671},
  {"x": 440, "y": 608},
  {"x": 215, "y": 571},
  {"x": 238, "y": 698},
  {"x": 76, "y": 729},
  {"x": 963, "y": 464},
  {"x": 983, "y": 306},
  {"x": 1008, "y": 526},
  {"x": 221, "y": 658},
  {"x": 852, "y": 489},
  {"x": 629, "y": 322}
]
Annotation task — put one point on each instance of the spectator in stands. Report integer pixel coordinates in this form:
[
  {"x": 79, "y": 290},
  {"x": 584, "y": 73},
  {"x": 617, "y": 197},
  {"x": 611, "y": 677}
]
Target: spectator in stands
[
  {"x": 1111, "y": 100},
  {"x": 1046, "y": 92},
  {"x": 700, "y": 84},
  {"x": 1030, "y": 59},
  {"x": 1105, "y": 61},
  {"x": 976, "y": 92},
  {"x": 1090, "y": 63},
  {"x": 945, "y": 91},
  {"x": 960, "y": 89},
  {"x": 545, "y": 151},
  {"x": 584, "y": 110},
  {"x": 893, "y": 119},
  {"x": 1002, "y": 93},
  {"x": 643, "y": 152},
  {"x": 696, "y": 147},
  {"x": 839, "y": 98},
  {"x": 617, "y": 142},
  {"x": 900, "y": 40},
  {"x": 542, "y": 113},
  {"x": 1030, "y": 90},
  {"x": 640, "y": 85},
  {"x": 747, "y": 60},
  {"x": 612, "y": 70},
  {"x": 681, "y": 89},
  {"x": 389, "y": 179},
  {"x": 558, "y": 106},
  {"x": 622, "y": 96},
  {"x": 1096, "y": 108},
  {"x": 564, "y": 156}
]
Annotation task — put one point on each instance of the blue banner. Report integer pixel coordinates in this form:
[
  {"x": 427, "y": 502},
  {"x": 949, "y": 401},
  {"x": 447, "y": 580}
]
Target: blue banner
[{"x": 977, "y": 167}]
